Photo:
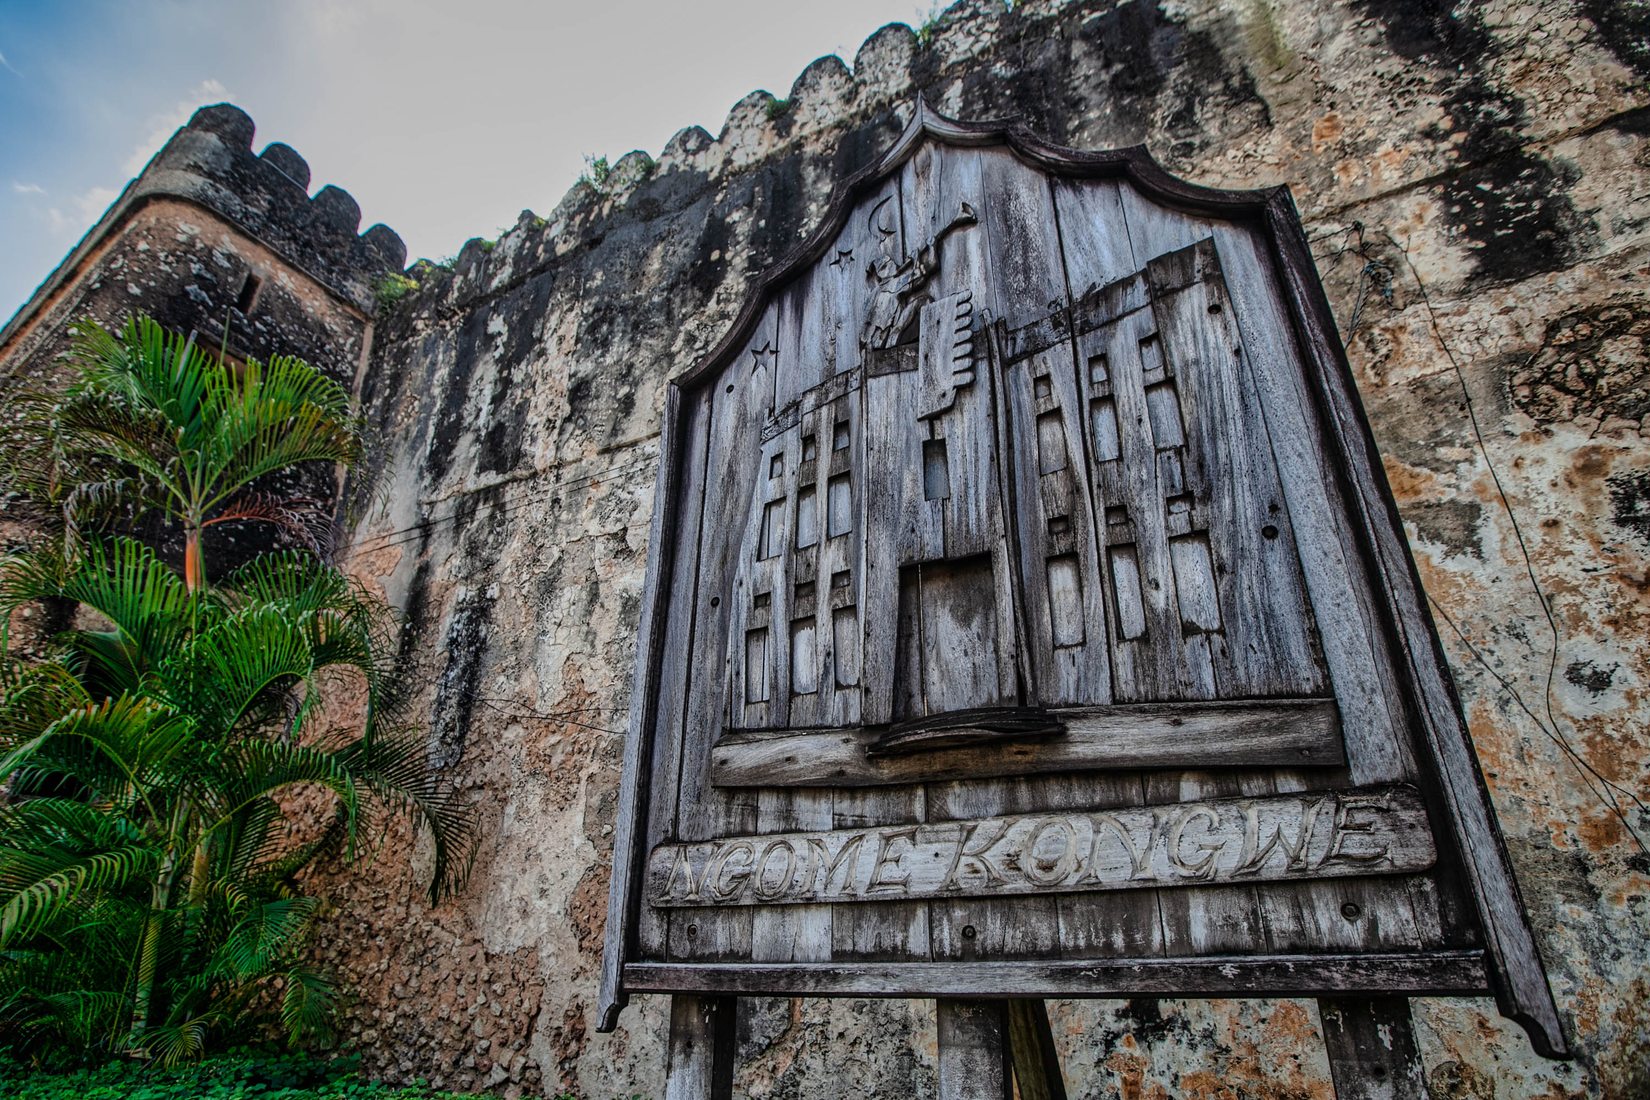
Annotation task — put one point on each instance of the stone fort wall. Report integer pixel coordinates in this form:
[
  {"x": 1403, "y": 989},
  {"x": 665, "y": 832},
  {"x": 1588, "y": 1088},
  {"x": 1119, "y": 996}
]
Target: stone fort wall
[{"x": 1476, "y": 182}]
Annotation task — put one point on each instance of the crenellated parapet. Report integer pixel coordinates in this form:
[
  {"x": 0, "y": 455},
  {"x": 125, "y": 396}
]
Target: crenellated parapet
[
  {"x": 210, "y": 162},
  {"x": 259, "y": 225}
]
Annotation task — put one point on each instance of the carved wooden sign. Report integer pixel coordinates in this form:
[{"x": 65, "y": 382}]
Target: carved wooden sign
[
  {"x": 1024, "y": 594},
  {"x": 1187, "y": 843}
]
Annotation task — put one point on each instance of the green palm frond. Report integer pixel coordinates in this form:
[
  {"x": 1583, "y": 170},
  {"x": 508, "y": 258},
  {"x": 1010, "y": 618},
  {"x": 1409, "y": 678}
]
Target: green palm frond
[
  {"x": 308, "y": 1004},
  {"x": 272, "y": 415},
  {"x": 119, "y": 749},
  {"x": 266, "y": 937},
  {"x": 38, "y": 886},
  {"x": 151, "y": 849},
  {"x": 396, "y": 768},
  {"x": 277, "y": 861},
  {"x": 348, "y": 627},
  {"x": 122, "y": 580},
  {"x": 34, "y": 696},
  {"x": 171, "y": 1044},
  {"x": 145, "y": 367},
  {"x": 241, "y": 668},
  {"x": 250, "y": 772}
]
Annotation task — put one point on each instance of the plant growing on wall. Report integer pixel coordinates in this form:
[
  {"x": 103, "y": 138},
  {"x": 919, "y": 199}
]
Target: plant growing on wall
[{"x": 151, "y": 842}]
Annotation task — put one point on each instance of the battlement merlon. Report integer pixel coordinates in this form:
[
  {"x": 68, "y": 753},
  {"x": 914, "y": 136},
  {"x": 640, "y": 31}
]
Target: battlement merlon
[{"x": 209, "y": 162}]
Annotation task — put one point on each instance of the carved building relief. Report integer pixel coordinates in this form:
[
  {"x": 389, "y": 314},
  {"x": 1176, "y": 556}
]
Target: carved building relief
[{"x": 1075, "y": 505}]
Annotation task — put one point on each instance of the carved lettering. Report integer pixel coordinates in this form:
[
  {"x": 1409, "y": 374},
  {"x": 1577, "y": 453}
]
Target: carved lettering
[
  {"x": 1294, "y": 850},
  {"x": 1036, "y": 871},
  {"x": 881, "y": 881},
  {"x": 680, "y": 863},
  {"x": 717, "y": 882},
  {"x": 1346, "y": 825},
  {"x": 978, "y": 859},
  {"x": 1140, "y": 858},
  {"x": 1200, "y": 866},
  {"x": 781, "y": 885},
  {"x": 820, "y": 859},
  {"x": 1276, "y": 838}
]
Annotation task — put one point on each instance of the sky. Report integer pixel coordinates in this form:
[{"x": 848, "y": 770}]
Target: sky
[{"x": 444, "y": 119}]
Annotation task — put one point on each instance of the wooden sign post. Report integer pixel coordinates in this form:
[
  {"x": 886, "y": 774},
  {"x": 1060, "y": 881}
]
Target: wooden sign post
[{"x": 1027, "y": 616}]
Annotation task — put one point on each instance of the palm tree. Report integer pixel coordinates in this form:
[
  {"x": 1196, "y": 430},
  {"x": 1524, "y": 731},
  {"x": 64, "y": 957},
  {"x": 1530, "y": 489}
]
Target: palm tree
[
  {"x": 151, "y": 421},
  {"x": 150, "y": 890}
]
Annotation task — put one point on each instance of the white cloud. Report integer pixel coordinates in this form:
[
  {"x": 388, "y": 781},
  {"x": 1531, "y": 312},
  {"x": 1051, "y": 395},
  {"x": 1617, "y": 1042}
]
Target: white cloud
[
  {"x": 161, "y": 125},
  {"x": 8, "y": 64},
  {"x": 83, "y": 210},
  {"x": 27, "y": 188}
]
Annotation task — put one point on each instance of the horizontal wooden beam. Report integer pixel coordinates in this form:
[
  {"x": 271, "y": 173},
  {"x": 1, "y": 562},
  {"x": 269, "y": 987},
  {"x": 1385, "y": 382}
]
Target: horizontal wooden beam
[
  {"x": 1229, "y": 841},
  {"x": 1264, "y": 733},
  {"x": 1418, "y": 974}
]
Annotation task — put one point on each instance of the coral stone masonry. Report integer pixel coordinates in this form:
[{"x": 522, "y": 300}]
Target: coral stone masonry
[{"x": 1475, "y": 183}]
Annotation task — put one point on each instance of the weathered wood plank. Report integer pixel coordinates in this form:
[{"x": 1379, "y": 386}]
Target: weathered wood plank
[
  {"x": 1235, "y": 569},
  {"x": 1372, "y": 1053},
  {"x": 1013, "y": 254},
  {"x": 883, "y": 930},
  {"x": 1287, "y": 732},
  {"x": 665, "y": 730},
  {"x": 1036, "y": 1062},
  {"x": 1065, "y": 609},
  {"x": 1318, "y": 835},
  {"x": 672, "y": 533},
  {"x": 1410, "y": 974},
  {"x": 895, "y": 523},
  {"x": 1522, "y": 989},
  {"x": 1093, "y": 255},
  {"x": 722, "y": 603},
  {"x": 701, "y": 1053},
  {"x": 1326, "y": 544},
  {"x": 1099, "y": 267},
  {"x": 792, "y": 932},
  {"x": 973, "y": 1050},
  {"x": 1325, "y": 530}
]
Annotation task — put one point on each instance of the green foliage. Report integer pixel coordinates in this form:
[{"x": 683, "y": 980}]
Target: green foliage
[
  {"x": 152, "y": 423},
  {"x": 931, "y": 23},
  {"x": 239, "y": 1076},
  {"x": 778, "y": 108},
  {"x": 392, "y": 288},
  {"x": 151, "y": 857},
  {"x": 597, "y": 171}
]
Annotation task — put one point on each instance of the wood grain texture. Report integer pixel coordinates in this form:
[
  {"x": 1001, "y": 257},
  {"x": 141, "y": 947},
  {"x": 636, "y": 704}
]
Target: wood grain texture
[
  {"x": 1286, "y": 732},
  {"x": 701, "y": 1048},
  {"x": 670, "y": 514},
  {"x": 1409, "y": 974},
  {"x": 1371, "y": 1045},
  {"x": 973, "y": 1050},
  {"x": 1036, "y": 1062},
  {"x": 722, "y": 604},
  {"x": 1522, "y": 990},
  {"x": 1318, "y": 835},
  {"x": 664, "y": 749},
  {"x": 1099, "y": 448}
]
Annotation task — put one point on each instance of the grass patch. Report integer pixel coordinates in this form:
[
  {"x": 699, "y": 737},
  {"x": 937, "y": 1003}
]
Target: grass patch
[{"x": 233, "y": 1076}]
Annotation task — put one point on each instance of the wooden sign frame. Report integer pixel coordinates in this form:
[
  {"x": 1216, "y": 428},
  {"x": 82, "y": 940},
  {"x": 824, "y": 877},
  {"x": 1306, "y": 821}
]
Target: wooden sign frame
[{"x": 1413, "y": 806}]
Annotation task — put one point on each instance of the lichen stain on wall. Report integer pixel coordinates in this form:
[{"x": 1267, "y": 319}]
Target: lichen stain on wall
[{"x": 1474, "y": 181}]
